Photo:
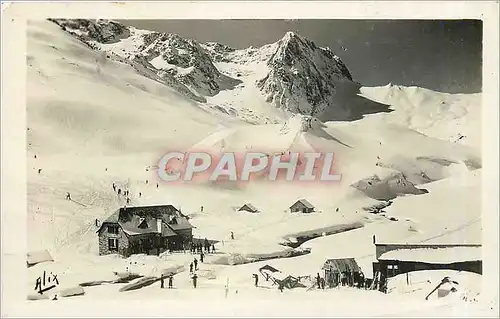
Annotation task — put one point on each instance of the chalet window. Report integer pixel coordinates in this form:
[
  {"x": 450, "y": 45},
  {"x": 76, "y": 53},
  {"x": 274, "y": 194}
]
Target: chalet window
[
  {"x": 113, "y": 243},
  {"x": 389, "y": 266},
  {"x": 113, "y": 229}
]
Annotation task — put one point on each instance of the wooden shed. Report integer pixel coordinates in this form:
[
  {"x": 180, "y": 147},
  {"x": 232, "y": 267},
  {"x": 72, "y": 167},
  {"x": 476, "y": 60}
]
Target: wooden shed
[
  {"x": 249, "y": 208},
  {"x": 302, "y": 206},
  {"x": 342, "y": 271}
]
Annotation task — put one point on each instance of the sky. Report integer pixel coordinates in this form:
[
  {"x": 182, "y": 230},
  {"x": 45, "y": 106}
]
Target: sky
[{"x": 442, "y": 55}]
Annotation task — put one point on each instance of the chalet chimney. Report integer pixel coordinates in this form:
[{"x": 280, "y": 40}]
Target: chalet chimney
[{"x": 158, "y": 225}]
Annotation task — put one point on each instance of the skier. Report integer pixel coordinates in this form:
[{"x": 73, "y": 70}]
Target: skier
[
  {"x": 232, "y": 235},
  {"x": 114, "y": 187},
  {"x": 322, "y": 282},
  {"x": 256, "y": 277},
  {"x": 35, "y": 156},
  {"x": 97, "y": 222},
  {"x": 119, "y": 191},
  {"x": 162, "y": 282},
  {"x": 140, "y": 194},
  {"x": 201, "y": 209},
  {"x": 39, "y": 170},
  {"x": 170, "y": 281},
  {"x": 201, "y": 256},
  {"x": 191, "y": 267},
  {"x": 195, "y": 264},
  {"x": 156, "y": 185},
  {"x": 194, "y": 280},
  {"x": 213, "y": 248},
  {"x": 128, "y": 200},
  {"x": 68, "y": 196},
  {"x": 337, "y": 209},
  {"x": 318, "y": 281}
]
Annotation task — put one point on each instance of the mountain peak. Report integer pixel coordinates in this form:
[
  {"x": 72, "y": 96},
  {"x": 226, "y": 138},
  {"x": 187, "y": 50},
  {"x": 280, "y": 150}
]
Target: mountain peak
[{"x": 290, "y": 35}]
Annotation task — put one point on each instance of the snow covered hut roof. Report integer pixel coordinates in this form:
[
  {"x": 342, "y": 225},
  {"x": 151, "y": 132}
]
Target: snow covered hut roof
[
  {"x": 304, "y": 202},
  {"x": 440, "y": 255},
  {"x": 131, "y": 217},
  {"x": 248, "y": 207},
  {"x": 268, "y": 267}
]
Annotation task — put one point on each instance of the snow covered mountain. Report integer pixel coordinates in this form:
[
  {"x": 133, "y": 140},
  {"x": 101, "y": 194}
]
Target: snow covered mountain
[{"x": 297, "y": 76}]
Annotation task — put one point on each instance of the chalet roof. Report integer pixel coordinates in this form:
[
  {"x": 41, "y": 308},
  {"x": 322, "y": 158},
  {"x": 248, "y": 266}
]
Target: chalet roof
[
  {"x": 437, "y": 255},
  {"x": 342, "y": 264},
  {"x": 304, "y": 202},
  {"x": 250, "y": 206},
  {"x": 130, "y": 218}
]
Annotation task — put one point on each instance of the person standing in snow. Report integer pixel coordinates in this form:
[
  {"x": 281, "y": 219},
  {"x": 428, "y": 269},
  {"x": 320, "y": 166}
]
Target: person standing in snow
[
  {"x": 195, "y": 278},
  {"x": 39, "y": 170},
  {"x": 213, "y": 249},
  {"x": 201, "y": 256},
  {"x": 195, "y": 264},
  {"x": 128, "y": 200},
  {"x": 318, "y": 281},
  {"x": 119, "y": 191},
  {"x": 207, "y": 245},
  {"x": 114, "y": 187},
  {"x": 256, "y": 277},
  {"x": 170, "y": 281},
  {"x": 140, "y": 194},
  {"x": 191, "y": 267},
  {"x": 68, "y": 196},
  {"x": 162, "y": 282},
  {"x": 232, "y": 235},
  {"x": 201, "y": 209},
  {"x": 156, "y": 185}
]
